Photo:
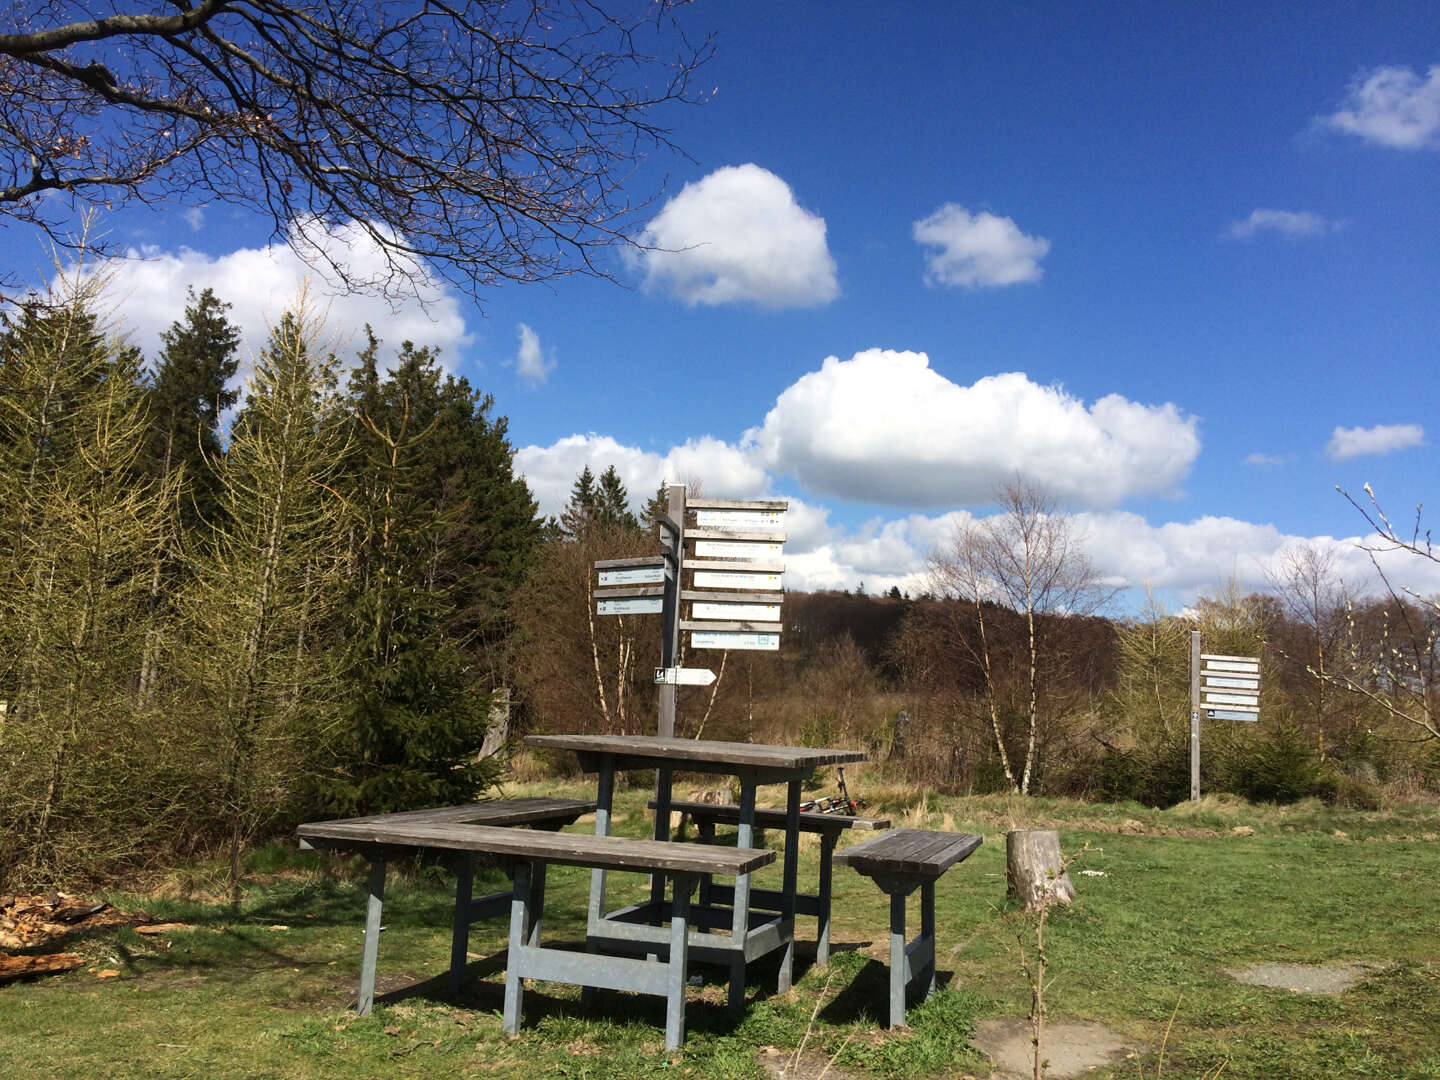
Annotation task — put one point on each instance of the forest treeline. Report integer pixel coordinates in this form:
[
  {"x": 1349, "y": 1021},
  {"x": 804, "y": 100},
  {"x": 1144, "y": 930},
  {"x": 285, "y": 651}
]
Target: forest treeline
[{"x": 224, "y": 611}]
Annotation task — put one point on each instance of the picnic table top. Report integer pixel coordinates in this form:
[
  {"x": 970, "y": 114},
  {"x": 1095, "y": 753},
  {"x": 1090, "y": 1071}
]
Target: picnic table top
[
  {"x": 699, "y": 755},
  {"x": 575, "y": 849}
]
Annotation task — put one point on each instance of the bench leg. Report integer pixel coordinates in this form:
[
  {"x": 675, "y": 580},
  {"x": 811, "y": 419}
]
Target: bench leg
[
  {"x": 460, "y": 934},
  {"x": 828, "y": 840},
  {"x": 536, "y": 903},
  {"x": 365, "y": 1002},
  {"x": 789, "y": 884},
  {"x": 897, "y": 959},
  {"x": 675, "y": 974},
  {"x": 520, "y": 911},
  {"x": 927, "y": 930},
  {"x": 664, "y": 782}
]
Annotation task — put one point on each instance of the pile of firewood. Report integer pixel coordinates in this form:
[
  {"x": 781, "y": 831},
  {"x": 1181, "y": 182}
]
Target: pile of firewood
[{"x": 30, "y": 922}]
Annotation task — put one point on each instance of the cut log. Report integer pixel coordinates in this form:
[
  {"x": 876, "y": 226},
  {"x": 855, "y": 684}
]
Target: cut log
[
  {"x": 1035, "y": 870},
  {"x": 24, "y": 967}
]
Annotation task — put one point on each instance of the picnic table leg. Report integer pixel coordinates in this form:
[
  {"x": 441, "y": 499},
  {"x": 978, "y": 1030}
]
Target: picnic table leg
[
  {"x": 664, "y": 782},
  {"x": 536, "y": 901},
  {"x": 789, "y": 884},
  {"x": 828, "y": 840},
  {"x": 897, "y": 959},
  {"x": 365, "y": 1002},
  {"x": 520, "y": 911},
  {"x": 740, "y": 917},
  {"x": 460, "y": 936},
  {"x": 927, "y": 930},
  {"x": 675, "y": 975},
  {"x": 604, "y": 797}
]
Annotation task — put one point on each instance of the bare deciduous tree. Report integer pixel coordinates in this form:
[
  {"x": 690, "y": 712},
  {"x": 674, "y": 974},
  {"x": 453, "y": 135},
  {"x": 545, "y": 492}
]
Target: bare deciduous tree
[
  {"x": 1027, "y": 558},
  {"x": 489, "y": 140},
  {"x": 1397, "y": 670}
]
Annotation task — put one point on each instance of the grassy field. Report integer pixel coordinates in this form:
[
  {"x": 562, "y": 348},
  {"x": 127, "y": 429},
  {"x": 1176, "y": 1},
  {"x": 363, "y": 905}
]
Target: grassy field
[{"x": 1174, "y": 898}]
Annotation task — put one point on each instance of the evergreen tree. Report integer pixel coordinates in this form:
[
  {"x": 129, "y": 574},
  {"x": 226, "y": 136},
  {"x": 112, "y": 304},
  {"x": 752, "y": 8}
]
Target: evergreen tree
[
  {"x": 579, "y": 512},
  {"x": 657, "y": 507},
  {"x": 441, "y": 534},
  {"x": 612, "y": 502},
  {"x": 265, "y": 680},
  {"x": 81, "y": 527},
  {"x": 189, "y": 395}
]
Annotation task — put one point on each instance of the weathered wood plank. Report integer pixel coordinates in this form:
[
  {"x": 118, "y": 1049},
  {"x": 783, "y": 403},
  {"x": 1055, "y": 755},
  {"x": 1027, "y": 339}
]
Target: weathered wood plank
[
  {"x": 571, "y": 849},
  {"x": 737, "y": 504},
  {"x": 767, "y": 818},
  {"x": 699, "y": 754},
  {"x": 919, "y": 852}
]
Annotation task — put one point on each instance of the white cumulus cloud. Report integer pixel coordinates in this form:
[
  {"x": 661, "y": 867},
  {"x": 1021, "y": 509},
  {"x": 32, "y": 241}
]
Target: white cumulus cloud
[
  {"x": 723, "y": 470},
  {"x": 531, "y": 363},
  {"x": 1293, "y": 223},
  {"x": 1392, "y": 106},
  {"x": 974, "y": 250},
  {"x": 883, "y": 427},
  {"x": 739, "y": 236},
  {"x": 1346, "y": 443},
  {"x": 147, "y": 289}
]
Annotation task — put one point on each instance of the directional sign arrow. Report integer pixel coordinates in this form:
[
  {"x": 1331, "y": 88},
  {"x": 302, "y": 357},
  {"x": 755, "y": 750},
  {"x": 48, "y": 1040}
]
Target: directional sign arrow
[{"x": 684, "y": 676}]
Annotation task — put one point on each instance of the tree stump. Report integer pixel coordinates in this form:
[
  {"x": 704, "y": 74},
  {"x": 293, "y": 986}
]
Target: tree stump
[{"x": 1035, "y": 870}]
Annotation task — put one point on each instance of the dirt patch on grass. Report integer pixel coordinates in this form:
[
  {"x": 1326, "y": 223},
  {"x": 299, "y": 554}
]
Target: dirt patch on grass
[
  {"x": 809, "y": 1065},
  {"x": 1302, "y": 978},
  {"x": 1072, "y": 1047}
]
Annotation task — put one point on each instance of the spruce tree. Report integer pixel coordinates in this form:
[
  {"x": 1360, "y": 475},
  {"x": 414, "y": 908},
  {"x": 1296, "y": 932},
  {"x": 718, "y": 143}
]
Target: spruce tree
[{"x": 190, "y": 393}]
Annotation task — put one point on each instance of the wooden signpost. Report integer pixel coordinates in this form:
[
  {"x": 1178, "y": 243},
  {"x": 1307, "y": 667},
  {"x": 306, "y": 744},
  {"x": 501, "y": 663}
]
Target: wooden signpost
[
  {"x": 1223, "y": 688},
  {"x": 736, "y": 586}
]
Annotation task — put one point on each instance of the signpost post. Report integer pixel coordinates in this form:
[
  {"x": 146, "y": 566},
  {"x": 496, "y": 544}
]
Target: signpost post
[{"x": 1223, "y": 688}]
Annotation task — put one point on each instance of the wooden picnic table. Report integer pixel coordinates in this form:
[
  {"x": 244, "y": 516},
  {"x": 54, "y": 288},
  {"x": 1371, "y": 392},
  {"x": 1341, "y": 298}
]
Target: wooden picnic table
[{"x": 752, "y": 933}]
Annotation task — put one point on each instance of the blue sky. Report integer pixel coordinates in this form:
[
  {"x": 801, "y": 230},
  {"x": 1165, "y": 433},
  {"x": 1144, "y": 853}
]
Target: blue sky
[{"x": 1181, "y": 271}]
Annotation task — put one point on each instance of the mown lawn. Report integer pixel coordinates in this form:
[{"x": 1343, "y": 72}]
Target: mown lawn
[{"x": 1173, "y": 899}]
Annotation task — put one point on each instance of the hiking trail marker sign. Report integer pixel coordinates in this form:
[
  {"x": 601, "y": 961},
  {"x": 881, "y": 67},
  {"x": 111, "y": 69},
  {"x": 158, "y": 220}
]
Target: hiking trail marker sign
[
  {"x": 1222, "y": 688},
  {"x": 736, "y": 586}
]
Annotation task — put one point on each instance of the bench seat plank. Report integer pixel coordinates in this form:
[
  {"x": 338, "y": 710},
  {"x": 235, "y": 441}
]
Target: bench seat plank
[
  {"x": 917, "y": 852},
  {"x": 570, "y": 849}
]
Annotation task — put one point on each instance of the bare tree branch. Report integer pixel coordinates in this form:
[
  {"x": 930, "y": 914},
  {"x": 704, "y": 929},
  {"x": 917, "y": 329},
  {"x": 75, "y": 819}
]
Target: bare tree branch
[{"x": 480, "y": 141}]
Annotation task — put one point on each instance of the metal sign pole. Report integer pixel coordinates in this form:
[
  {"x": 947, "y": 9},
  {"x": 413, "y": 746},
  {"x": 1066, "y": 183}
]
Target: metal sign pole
[{"x": 1194, "y": 715}]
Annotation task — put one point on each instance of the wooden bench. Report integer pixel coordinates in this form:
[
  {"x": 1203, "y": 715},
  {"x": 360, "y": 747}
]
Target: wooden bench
[
  {"x": 899, "y": 862},
  {"x": 830, "y": 827},
  {"x": 528, "y": 853},
  {"x": 537, "y": 812}
]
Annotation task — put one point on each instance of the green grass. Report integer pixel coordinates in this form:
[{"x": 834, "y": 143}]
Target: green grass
[{"x": 263, "y": 990}]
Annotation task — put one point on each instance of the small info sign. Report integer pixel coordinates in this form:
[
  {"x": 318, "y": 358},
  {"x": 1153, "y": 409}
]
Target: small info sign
[
  {"x": 630, "y": 605},
  {"x": 737, "y": 518},
  {"x": 633, "y": 575},
  {"x": 732, "y": 639}
]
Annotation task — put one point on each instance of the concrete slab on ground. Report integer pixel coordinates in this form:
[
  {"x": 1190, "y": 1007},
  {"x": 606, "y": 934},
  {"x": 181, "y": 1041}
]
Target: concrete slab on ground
[
  {"x": 1072, "y": 1047},
  {"x": 1302, "y": 978}
]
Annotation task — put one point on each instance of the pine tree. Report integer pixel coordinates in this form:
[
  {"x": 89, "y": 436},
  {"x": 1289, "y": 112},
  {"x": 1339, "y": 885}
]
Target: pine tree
[
  {"x": 187, "y": 397},
  {"x": 656, "y": 508},
  {"x": 82, "y": 526},
  {"x": 265, "y": 680}
]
